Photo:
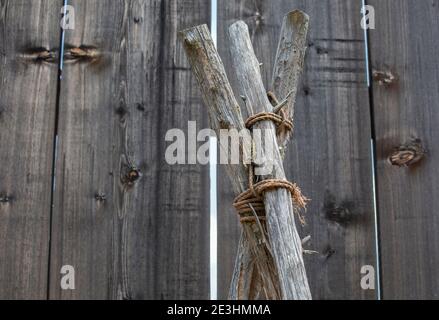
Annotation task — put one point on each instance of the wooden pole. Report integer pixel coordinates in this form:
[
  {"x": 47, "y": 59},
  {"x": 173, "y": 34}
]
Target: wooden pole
[
  {"x": 284, "y": 239},
  {"x": 276, "y": 267},
  {"x": 224, "y": 113},
  {"x": 285, "y": 80},
  {"x": 288, "y": 65}
]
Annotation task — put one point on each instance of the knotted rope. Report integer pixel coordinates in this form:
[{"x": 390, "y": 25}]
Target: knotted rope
[
  {"x": 250, "y": 203},
  {"x": 281, "y": 121}
]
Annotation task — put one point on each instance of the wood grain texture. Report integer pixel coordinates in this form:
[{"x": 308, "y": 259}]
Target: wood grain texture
[
  {"x": 29, "y": 38},
  {"x": 221, "y": 104},
  {"x": 288, "y": 64},
  {"x": 286, "y": 247},
  {"x": 329, "y": 156},
  {"x": 405, "y": 43},
  {"x": 229, "y": 234},
  {"x": 133, "y": 226},
  {"x": 225, "y": 114}
]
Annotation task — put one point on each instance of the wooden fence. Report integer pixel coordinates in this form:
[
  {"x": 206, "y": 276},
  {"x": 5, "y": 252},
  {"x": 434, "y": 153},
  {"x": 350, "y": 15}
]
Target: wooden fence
[{"x": 135, "y": 227}]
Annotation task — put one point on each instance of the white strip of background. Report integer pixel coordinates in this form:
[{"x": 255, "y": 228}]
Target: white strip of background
[
  {"x": 372, "y": 152},
  {"x": 213, "y": 183}
]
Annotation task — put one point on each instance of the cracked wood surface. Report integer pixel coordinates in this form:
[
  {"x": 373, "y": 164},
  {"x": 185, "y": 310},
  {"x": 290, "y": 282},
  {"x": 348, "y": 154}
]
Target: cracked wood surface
[
  {"x": 224, "y": 113},
  {"x": 283, "y": 237},
  {"x": 220, "y": 100}
]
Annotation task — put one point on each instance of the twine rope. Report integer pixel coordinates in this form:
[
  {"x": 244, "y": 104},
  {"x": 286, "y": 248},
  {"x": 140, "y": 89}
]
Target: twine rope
[
  {"x": 250, "y": 203},
  {"x": 281, "y": 121}
]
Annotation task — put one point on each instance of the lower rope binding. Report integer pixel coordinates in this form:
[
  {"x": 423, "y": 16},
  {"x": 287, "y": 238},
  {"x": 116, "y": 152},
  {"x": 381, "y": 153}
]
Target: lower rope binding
[{"x": 250, "y": 203}]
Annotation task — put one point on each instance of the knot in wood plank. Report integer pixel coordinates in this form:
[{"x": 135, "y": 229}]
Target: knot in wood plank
[
  {"x": 407, "y": 154},
  {"x": 82, "y": 54},
  {"x": 4, "y": 199},
  {"x": 384, "y": 77}
]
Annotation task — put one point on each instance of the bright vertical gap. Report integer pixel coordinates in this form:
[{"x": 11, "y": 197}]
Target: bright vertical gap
[
  {"x": 377, "y": 243},
  {"x": 373, "y": 159},
  {"x": 213, "y": 183},
  {"x": 366, "y": 47},
  {"x": 63, "y": 37},
  {"x": 213, "y": 21},
  {"x": 55, "y": 143},
  {"x": 213, "y": 220}
]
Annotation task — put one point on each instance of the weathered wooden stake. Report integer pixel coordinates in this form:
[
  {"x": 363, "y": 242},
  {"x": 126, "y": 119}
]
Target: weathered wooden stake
[
  {"x": 284, "y": 239},
  {"x": 224, "y": 113},
  {"x": 289, "y": 61},
  {"x": 276, "y": 267}
]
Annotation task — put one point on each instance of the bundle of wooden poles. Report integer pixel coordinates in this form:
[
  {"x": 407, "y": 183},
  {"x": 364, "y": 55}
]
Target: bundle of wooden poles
[{"x": 269, "y": 263}]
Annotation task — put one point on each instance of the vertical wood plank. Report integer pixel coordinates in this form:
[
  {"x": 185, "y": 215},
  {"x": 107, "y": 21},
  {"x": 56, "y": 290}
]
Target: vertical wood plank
[
  {"x": 229, "y": 232},
  {"x": 29, "y": 38},
  {"x": 329, "y": 156},
  {"x": 405, "y": 44},
  {"x": 133, "y": 226}
]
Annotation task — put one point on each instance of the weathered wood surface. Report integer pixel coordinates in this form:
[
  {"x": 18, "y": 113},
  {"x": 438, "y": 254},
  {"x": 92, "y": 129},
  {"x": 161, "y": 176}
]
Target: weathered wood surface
[
  {"x": 133, "y": 226},
  {"x": 129, "y": 82},
  {"x": 284, "y": 240},
  {"x": 405, "y": 44},
  {"x": 29, "y": 38},
  {"x": 329, "y": 156},
  {"x": 224, "y": 113},
  {"x": 288, "y": 65}
]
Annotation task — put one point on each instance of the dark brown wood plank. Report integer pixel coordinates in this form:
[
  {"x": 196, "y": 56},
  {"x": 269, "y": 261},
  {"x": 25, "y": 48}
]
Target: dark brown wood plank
[
  {"x": 29, "y": 38},
  {"x": 329, "y": 156},
  {"x": 133, "y": 226},
  {"x": 229, "y": 233},
  {"x": 405, "y": 43}
]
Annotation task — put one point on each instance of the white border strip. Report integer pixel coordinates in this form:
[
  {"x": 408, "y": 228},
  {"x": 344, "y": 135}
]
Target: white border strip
[
  {"x": 372, "y": 152},
  {"x": 213, "y": 183}
]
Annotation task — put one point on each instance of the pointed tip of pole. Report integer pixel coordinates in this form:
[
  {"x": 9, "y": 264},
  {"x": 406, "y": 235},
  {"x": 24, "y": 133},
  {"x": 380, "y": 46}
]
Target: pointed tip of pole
[
  {"x": 192, "y": 29},
  {"x": 297, "y": 16},
  {"x": 239, "y": 24}
]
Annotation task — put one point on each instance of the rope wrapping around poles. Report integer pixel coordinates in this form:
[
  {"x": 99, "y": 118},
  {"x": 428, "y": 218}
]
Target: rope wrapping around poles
[
  {"x": 249, "y": 204},
  {"x": 282, "y": 123}
]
